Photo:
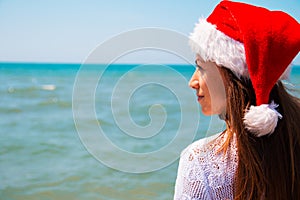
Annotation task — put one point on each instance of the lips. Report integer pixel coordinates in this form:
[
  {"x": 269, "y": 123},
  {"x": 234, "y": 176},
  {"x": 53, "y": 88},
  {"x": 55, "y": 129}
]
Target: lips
[{"x": 200, "y": 97}]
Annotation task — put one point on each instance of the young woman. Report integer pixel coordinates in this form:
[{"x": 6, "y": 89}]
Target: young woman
[{"x": 241, "y": 61}]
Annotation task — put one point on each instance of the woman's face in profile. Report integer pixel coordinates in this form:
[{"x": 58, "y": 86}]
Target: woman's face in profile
[{"x": 209, "y": 86}]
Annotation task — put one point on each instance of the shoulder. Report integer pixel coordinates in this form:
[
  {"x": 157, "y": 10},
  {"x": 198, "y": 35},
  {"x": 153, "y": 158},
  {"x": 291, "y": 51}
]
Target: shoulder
[
  {"x": 201, "y": 148},
  {"x": 197, "y": 178},
  {"x": 204, "y": 161},
  {"x": 201, "y": 145},
  {"x": 195, "y": 160},
  {"x": 208, "y": 151},
  {"x": 191, "y": 182}
]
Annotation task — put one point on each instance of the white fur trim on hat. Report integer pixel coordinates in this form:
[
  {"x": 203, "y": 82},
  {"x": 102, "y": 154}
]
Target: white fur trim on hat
[
  {"x": 213, "y": 45},
  {"x": 262, "y": 120}
]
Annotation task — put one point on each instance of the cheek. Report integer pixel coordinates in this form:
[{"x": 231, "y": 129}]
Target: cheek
[
  {"x": 217, "y": 96},
  {"x": 206, "y": 103},
  {"x": 218, "y": 93},
  {"x": 203, "y": 85},
  {"x": 219, "y": 100}
]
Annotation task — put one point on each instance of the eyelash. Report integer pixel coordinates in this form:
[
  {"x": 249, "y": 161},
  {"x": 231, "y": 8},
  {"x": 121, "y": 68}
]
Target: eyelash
[{"x": 198, "y": 67}]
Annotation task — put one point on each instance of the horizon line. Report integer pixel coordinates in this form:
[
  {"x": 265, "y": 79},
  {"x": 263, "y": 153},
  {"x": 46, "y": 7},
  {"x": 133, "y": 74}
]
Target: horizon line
[{"x": 78, "y": 63}]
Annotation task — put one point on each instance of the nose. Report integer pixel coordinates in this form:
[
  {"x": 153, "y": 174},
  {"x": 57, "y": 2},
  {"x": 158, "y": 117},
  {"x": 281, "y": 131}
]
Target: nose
[{"x": 194, "y": 82}]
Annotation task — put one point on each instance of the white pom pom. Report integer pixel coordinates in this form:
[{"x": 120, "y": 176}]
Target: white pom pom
[{"x": 262, "y": 120}]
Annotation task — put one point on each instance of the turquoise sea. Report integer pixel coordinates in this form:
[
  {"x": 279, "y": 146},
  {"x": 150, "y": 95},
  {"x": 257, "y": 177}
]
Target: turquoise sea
[{"x": 43, "y": 156}]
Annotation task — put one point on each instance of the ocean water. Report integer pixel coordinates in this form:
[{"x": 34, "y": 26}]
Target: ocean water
[{"x": 48, "y": 125}]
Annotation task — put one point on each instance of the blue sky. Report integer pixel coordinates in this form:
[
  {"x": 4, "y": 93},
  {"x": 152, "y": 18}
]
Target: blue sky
[{"x": 68, "y": 30}]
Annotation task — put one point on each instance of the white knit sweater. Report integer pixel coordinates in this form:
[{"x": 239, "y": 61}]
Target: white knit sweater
[{"x": 204, "y": 172}]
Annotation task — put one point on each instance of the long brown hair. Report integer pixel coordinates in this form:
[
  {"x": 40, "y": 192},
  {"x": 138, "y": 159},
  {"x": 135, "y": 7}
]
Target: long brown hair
[{"x": 268, "y": 166}]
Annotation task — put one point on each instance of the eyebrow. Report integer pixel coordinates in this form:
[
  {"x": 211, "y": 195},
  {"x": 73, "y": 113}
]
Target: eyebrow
[
  {"x": 200, "y": 59},
  {"x": 196, "y": 63}
]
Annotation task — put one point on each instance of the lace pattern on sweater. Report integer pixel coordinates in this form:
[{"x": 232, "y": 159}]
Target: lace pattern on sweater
[{"x": 204, "y": 172}]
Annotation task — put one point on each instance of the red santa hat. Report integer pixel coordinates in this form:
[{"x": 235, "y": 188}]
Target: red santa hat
[{"x": 252, "y": 42}]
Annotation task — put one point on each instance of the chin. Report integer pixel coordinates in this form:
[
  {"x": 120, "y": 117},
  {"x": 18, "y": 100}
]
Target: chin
[
  {"x": 210, "y": 112},
  {"x": 206, "y": 112}
]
